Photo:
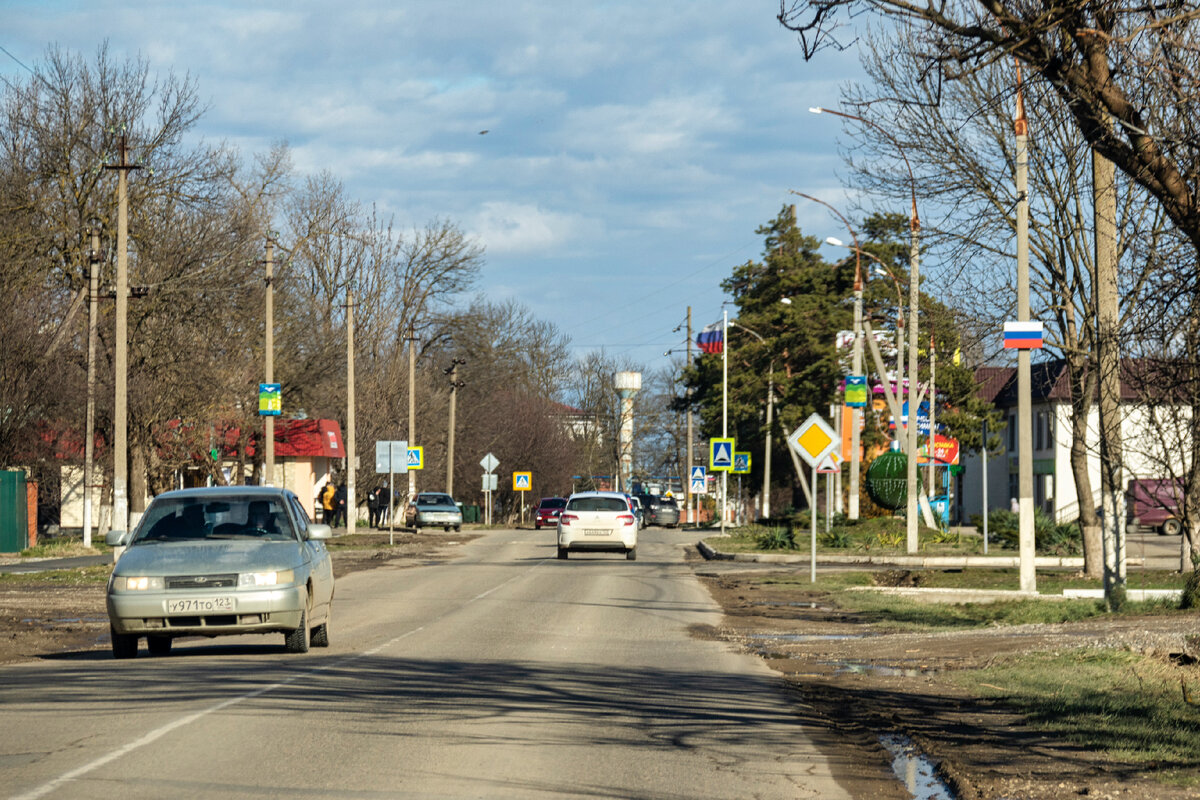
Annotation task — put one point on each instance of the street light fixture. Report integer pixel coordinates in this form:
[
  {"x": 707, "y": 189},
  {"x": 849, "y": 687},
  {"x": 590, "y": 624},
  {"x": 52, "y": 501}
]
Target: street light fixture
[
  {"x": 766, "y": 501},
  {"x": 857, "y": 365},
  {"x": 914, "y": 283}
]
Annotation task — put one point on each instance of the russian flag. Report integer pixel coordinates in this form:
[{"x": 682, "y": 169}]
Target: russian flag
[
  {"x": 1023, "y": 335},
  {"x": 711, "y": 338}
]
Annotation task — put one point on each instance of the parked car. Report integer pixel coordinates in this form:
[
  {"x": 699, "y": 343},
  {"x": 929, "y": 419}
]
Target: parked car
[
  {"x": 220, "y": 561},
  {"x": 434, "y": 509},
  {"x": 636, "y": 506},
  {"x": 597, "y": 521},
  {"x": 660, "y": 510},
  {"x": 547, "y": 511},
  {"x": 1154, "y": 503}
]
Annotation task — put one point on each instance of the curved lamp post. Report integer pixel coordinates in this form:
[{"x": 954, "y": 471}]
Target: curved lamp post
[
  {"x": 857, "y": 365},
  {"x": 914, "y": 282}
]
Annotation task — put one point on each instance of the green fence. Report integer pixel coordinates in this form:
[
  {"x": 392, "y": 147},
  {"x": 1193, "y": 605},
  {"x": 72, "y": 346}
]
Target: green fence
[{"x": 14, "y": 522}]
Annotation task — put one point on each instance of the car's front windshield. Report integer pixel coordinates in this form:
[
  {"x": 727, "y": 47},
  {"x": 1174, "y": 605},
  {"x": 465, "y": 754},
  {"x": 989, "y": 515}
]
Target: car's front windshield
[{"x": 209, "y": 518}]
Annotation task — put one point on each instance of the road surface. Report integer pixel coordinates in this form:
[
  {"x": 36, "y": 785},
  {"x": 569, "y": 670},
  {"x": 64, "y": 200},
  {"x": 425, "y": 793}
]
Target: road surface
[{"x": 505, "y": 673}]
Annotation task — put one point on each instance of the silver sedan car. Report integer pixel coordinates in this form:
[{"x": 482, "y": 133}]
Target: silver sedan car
[{"x": 220, "y": 561}]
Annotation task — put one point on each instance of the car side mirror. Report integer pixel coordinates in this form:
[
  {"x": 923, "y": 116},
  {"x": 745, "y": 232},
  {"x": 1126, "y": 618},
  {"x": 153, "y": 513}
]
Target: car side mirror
[
  {"x": 115, "y": 538},
  {"x": 318, "y": 530}
]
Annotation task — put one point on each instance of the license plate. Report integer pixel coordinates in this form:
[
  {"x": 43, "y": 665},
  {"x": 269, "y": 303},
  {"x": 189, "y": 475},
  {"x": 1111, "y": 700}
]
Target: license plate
[
  {"x": 596, "y": 532},
  {"x": 200, "y": 605}
]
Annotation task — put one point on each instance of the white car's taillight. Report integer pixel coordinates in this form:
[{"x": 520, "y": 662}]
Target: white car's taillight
[
  {"x": 566, "y": 519},
  {"x": 628, "y": 519}
]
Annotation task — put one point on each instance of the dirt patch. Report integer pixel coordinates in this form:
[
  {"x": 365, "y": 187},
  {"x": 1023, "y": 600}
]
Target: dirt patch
[
  {"x": 865, "y": 683},
  {"x": 39, "y": 619}
]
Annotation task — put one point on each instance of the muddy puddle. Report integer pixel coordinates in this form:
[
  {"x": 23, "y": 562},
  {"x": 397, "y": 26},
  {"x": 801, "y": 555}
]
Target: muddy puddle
[{"x": 915, "y": 769}]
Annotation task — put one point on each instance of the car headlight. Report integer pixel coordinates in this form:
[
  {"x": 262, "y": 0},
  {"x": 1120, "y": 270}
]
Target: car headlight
[
  {"x": 139, "y": 583},
  {"x": 276, "y": 578}
]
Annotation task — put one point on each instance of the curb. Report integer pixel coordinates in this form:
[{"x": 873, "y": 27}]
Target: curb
[{"x": 1066, "y": 562}]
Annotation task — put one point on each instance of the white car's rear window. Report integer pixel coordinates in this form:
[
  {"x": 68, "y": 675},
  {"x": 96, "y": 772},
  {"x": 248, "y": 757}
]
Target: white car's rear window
[{"x": 597, "y": 504}]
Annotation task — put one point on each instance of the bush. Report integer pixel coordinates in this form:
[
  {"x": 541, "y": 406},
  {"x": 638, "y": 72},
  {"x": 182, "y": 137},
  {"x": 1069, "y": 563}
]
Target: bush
[
  {"x": 777, "y": 539},
  {"x": 836, "y": 539},
  {"x": 1049, "y": 536},
  {"x": 1191, "y": 591}
]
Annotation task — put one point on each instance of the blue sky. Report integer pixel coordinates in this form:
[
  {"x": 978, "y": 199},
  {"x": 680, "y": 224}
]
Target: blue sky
[{"x": 632, "y": 148}]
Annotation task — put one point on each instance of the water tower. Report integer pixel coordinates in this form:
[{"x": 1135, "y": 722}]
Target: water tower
[{"x": 627, "y": 384}]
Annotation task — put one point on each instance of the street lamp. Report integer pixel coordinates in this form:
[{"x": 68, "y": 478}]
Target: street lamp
[
  {"x": 882, "y": 271},
  {"x": 766, "y": 502},
  {"x": 914, "y": 283},
  {"x": 857, "y": 365}
]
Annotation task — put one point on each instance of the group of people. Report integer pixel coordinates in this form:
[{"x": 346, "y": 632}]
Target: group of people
[{"x": 331, "y": 500}]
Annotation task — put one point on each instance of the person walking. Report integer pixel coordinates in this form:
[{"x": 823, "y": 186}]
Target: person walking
[{"x": 327, "y": 502}]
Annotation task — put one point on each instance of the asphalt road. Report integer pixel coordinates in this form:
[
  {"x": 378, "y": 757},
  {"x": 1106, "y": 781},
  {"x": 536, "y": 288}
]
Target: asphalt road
[{"x": 506, "y": 673}]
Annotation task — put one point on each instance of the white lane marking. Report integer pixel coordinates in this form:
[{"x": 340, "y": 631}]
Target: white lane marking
[{"x": 158, "y": 733}]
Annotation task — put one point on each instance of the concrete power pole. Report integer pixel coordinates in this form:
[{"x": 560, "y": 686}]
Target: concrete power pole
[
  {"x": 687, "y": 479},
  {"x": 121, "y": 348},
  {"x": 1024, "y": 377},
  {"x": 412, "y": 405},
  {"x": 89, "y": 445},
  {"x": 351, "y": 449},
  {"x": 455, "y": 385},
  {"x": 1108, "y": 350},
  {"x": 269, "y": 358}
]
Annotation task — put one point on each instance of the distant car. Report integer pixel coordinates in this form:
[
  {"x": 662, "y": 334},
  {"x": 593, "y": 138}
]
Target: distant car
[
  {"x": 433, "y": 510},
  {"x": 547, "y": 511},
  {"x": 660, "y": 510},
  {"x": 221, "y": 561},
  {"x": 597, "y": 521},
  {"x": 1154, "y": 503}
]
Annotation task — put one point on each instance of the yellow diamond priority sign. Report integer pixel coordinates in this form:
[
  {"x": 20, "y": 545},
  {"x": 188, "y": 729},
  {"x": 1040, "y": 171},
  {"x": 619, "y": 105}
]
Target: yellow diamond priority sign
[{"x": 814, "y": 440}]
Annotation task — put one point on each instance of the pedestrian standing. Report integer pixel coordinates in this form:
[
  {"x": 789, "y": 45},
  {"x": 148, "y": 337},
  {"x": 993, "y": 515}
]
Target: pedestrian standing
[
  {"x": 339, "y": 506},
  {"x": 385, "y": 503},
  {"x": 327, "y": 502},
  {"x": 373, "y": 508}
]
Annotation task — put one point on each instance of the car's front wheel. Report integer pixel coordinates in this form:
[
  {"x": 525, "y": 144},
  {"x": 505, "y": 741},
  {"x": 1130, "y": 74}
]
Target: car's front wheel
[
  {"x": 320, "y": 634},
  {"x": 1171, "y": 527},
  {"x": 298, "y": 640},
  {"x": 124, "y": 645},
  {"x": 159, "y": 645}
]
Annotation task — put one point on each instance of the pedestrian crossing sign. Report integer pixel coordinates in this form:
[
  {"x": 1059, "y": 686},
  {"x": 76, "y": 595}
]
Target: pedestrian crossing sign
[
  {"x": 522, "y": 481},
  {"x": 698, "y": 482},
  {"x": 416, "y": 458},
  {"x": 720, "y": 455},
  {"x": 741, "y": 463}
]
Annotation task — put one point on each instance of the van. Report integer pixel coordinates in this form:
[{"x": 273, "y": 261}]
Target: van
[{"x": 1154, "y": 503}]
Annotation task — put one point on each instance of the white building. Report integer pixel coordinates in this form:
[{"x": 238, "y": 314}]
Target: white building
[{"x": 1153, "y": 442}]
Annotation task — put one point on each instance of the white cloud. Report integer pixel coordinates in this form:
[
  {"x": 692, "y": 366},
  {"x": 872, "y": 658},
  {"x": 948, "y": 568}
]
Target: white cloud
[{"x": 507, "y": 228}]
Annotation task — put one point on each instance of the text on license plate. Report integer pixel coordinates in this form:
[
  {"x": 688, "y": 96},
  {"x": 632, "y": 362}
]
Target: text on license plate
[
  {"x": 596, "y": 532},
  {"x": 200, "y": 605}
]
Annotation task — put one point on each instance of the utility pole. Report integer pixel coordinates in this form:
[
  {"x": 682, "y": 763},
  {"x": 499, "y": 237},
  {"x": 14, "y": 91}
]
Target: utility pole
[
  {"x": 1025, "y": 533},
  {"x": 412, "y": 406},
  {"x": 1108, "y": 347},
  {"x": 269, "y": 358},
  {"x": 687, "y": 479},
  {"x": 89, "y": 445},
  {"x": 121, "y": 354},
  {"x": 455, "y": 385},
  {"x": 351, "y": 450},
  {"x": 766, "y": 501},
  {"x": 724, "y": 408}
]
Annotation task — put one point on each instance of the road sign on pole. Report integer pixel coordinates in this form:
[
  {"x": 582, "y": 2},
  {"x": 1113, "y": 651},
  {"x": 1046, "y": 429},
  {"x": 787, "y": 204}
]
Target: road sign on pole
[
  {"x": 522, "y": 481},
  {"x": 489, "y": 463},
  {"x": 720, "y": 455},
  {"x": 813, "y": 440},
  {"x": 416, "y": 458},
  {"x": 741, "y": 463}
]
